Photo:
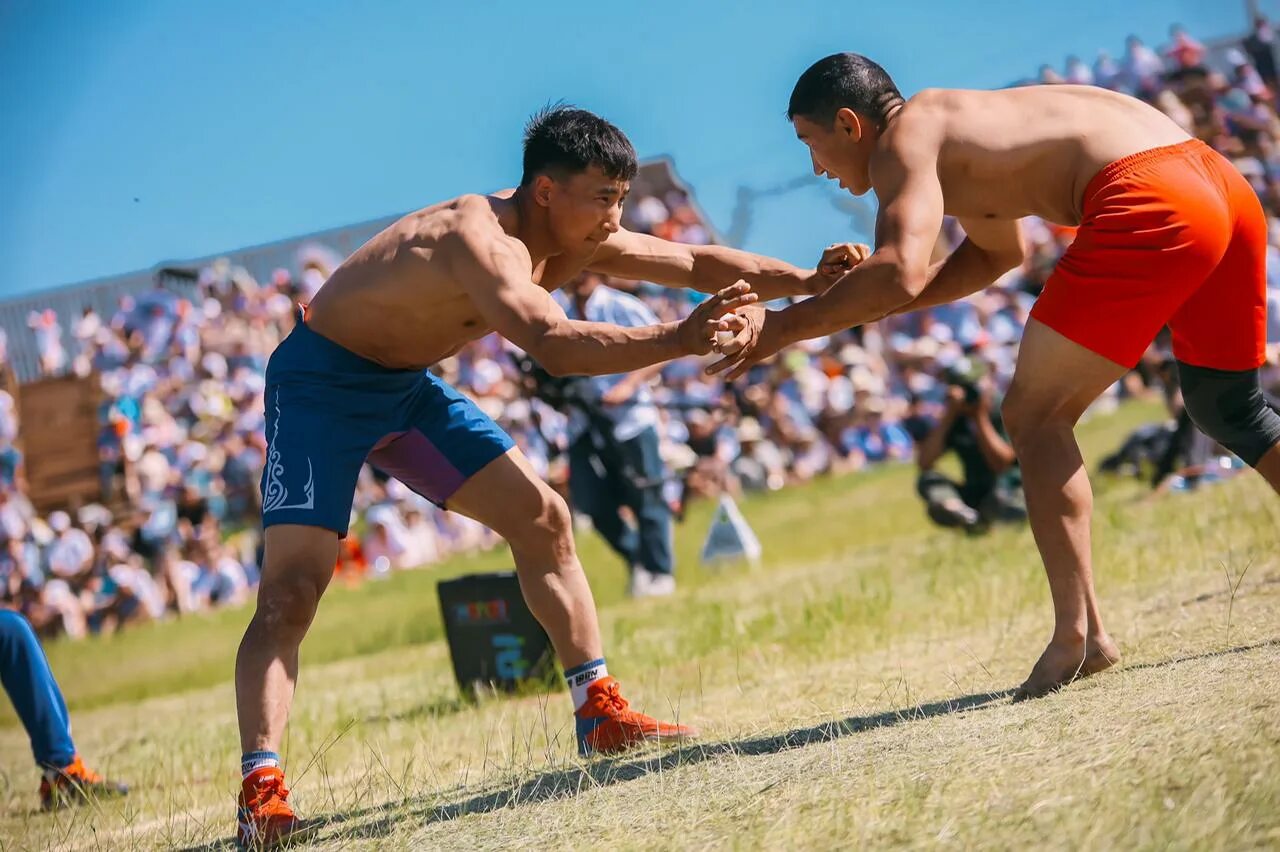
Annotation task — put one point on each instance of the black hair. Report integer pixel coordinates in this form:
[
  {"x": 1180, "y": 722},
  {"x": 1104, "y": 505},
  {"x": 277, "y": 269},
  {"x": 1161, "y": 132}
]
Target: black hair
[
  {"x": 843, "y": 80},
  {"x": 562, "y": 140}
]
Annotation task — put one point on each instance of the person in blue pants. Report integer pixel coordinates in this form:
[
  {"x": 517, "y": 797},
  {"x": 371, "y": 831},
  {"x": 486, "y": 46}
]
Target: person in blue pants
[{"x": 29, "y": 682}]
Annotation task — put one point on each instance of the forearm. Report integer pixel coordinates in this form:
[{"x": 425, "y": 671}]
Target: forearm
[
  {"x": 931, "y": 448},
  {"x": 599, "y": 349},
  {"x": 866, "y": 293},
  {"x": 966, "y": 270},
  {"x": 716, "y": 267},
  {"x": 646, "y": 375},
  {"x": 995, "y": 449}
]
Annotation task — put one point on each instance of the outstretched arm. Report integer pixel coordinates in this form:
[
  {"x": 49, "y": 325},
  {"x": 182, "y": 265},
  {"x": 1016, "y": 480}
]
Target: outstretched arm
[
  {"x": 907, "y": 225},
  {"x": 499, "y": 283},
  {"x": 990, "y": 249},
  {"x": 707, "y": 269},
  {"x": 895, "y": 273},
  {"x": 897, "y": 276}
]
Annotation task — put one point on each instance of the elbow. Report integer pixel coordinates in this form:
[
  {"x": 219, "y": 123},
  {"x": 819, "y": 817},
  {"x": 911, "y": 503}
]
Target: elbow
[
  {"x": 1002, "y": 459},
  {"x": 911, "y": 282}
]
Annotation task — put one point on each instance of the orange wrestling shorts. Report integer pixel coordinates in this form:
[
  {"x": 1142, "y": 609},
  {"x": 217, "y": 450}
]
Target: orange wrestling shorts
[{"x": 1172, "y": 236}]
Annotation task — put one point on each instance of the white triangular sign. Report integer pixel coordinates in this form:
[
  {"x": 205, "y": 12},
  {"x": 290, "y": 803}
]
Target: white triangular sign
[{"x": 730, "y": 536}]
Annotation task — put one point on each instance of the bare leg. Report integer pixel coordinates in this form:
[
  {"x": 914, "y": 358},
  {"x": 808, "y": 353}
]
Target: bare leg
[
  {"x": 508, "y": 497},
  {"x": 1100, "y": 650},
  {"x": 1056, "y": 380},
  {"x": 299, "y": 562}
]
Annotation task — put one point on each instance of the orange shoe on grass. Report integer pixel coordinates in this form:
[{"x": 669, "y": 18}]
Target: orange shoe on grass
[
  {"x": 264, "y": 818},
  {"x": 76, "y": 784},
  {"x": 607, "y": 725}
]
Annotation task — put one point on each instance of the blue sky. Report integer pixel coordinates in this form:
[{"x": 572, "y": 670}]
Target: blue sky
[{"x": 133, "y": 131}]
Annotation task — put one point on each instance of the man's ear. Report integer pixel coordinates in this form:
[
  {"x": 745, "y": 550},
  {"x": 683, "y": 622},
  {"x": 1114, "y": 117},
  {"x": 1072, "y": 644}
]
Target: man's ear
[
  {"x": 543, "y": 186},
  {"x": 848, "y": 122}
]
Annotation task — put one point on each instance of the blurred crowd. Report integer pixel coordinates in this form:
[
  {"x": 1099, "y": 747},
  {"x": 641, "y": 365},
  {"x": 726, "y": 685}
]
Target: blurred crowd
[{"x": 182, "y": 423}]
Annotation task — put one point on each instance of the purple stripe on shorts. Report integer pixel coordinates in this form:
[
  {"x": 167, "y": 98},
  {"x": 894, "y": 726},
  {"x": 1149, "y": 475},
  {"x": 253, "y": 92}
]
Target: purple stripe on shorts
[{"x": 413, "y": 459}]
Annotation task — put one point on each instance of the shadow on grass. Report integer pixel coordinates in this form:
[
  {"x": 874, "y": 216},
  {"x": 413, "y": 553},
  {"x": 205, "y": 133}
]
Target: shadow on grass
[
  {"x": 430, "y": 710},
  {"x": 566, "y": 782},
  {"x": 560, "y": 783}
]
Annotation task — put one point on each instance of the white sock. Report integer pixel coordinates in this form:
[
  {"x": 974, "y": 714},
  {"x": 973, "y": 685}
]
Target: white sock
[
  {"x": 256, "y": 760},
  {"x": 581, "y": 677}
]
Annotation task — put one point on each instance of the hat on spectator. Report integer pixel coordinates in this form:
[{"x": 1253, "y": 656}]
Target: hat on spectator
[
  {"x": 852, "y": 355},
  {"x": 926, "y": 347},
  {"x": 678, "y": 456},
  {"x": 874, "y": 405},
  {"x": 95, "y": 514},
  {"x": 749, "y": 431},
  {"x": 40, "y": 531}
]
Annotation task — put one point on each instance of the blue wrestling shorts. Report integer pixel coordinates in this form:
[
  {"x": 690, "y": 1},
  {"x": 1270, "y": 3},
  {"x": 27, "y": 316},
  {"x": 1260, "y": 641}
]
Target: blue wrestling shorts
[{"x": 330, "y": 410}]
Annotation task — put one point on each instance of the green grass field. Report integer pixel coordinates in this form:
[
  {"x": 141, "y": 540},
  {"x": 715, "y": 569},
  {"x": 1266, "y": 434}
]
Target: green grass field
[{"x": 853, "y": 690}]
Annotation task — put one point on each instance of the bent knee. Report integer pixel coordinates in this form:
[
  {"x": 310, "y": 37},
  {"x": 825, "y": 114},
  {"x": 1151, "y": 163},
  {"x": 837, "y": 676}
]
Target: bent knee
[
  {"x": 288, "y": 604},
  {"x": 1229, "y": 407},
  {"x": 1026, "y": 418},
  {"x": 549, "y": 525}
]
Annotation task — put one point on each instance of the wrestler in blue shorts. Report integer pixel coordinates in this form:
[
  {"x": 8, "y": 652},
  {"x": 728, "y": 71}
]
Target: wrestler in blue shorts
[
  {"x": 349, "y": 385},
  {"x": 330, "y": 410}
]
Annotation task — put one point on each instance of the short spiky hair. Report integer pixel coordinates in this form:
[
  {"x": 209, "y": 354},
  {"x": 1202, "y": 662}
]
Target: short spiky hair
[
  {"x": 843, "y": 80},
  {"x": 562, "y": 140}
]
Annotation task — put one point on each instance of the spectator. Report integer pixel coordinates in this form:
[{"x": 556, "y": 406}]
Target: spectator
[
  {"x": 614, "y": 449},
  {"x": 1261, "y": 47},
  {"x": 71, "y": 553},
  {"x": 182, "y": 422},
  {"x": 1142, "y": 68},
  {"x": 759, "y": 465},
  {"x": 48, "y": 334},
  {"x": 422, "y": 546},
  {"x": 1185, "y": 52},
  {"x": 1106, "y": 72},
  {"x": 35, "y": 695},
  {"x": 1077, "y": 72},
  {"x": 990, "y": 491},
  {"x": 383, "y": 544}
]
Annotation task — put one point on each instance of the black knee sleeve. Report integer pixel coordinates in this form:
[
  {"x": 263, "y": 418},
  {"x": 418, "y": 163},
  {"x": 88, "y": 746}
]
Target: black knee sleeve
[{"x": 1229, "y": 407}]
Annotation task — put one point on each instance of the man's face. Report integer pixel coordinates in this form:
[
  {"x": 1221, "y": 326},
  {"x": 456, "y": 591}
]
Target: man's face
[
  {"x": 583, "y": 208},
  {"x": 835, "y": 152}
]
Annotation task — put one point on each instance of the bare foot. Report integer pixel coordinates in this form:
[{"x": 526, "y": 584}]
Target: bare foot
[
  {"x": 1060, "y": 664},
  {"x": 1100, "y": 654}
]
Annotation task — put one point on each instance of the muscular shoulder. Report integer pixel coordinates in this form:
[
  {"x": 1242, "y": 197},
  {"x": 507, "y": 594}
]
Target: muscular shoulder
[
  {"x": 474, "y": 216},
  {"x": 922, "y": 122},
  {"x": 914, "y": 136},
  {"x": 475, "y": 229}
]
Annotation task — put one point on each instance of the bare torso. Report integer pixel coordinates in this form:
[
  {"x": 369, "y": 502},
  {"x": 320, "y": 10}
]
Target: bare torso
[
  {"x": 1030, "y": 151},
  {"x": 396, "y": 300}
]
